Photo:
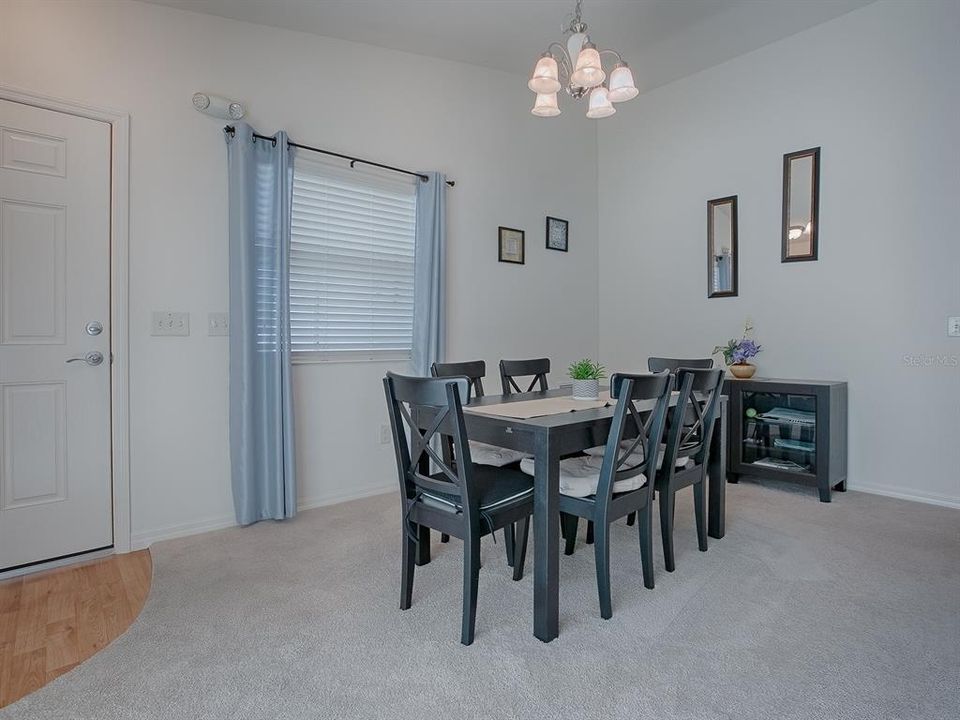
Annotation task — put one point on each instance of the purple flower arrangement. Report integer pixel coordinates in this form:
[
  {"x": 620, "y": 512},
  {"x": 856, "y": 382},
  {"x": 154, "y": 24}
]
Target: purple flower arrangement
[{"x": 737, "y": 352}]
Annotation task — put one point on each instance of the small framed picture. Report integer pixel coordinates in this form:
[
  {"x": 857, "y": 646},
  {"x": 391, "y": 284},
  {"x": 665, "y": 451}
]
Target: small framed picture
[
  {"x": 511, "y": 245},
  {"x": 557, "y": 234}
]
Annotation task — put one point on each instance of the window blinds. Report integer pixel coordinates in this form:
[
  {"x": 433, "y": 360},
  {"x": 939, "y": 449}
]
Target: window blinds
[{"x": 351, "y": 263}]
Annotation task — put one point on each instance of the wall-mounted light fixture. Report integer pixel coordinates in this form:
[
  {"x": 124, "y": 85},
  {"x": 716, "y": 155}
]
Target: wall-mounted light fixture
[{"x": 218, "y": 107}]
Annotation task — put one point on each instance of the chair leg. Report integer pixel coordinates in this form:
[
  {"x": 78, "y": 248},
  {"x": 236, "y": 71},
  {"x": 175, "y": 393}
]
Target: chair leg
[
  {"x": 645, "y": 527},
  {"x": 569, "y": 523},
  {"x": 508, "y": 537},
  {"x": 631, "y": 518},
  {"x": 444, "y": 538},
  {"x": 589, "y": 532},
  {"x": 520, "y": 547},
  {"x": 667, "y": 498},
  {"x": 601, "y": 549},
  {"x": 471, "y": 582},
  {"x": 406, "y": 572},
  {"x": 700, "y": 510}
]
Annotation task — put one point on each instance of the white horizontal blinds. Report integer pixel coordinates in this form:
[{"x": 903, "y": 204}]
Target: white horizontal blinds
[{"x": 351, "y": 262}]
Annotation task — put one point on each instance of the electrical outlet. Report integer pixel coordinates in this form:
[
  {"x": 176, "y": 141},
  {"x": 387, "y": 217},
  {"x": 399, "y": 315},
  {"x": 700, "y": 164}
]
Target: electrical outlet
[
  {"x": 218, "y": 324},
  {"x": 953, "y": 327},
  {"x": 385, "y": 435},
  {"x": 170, "y": 323}
]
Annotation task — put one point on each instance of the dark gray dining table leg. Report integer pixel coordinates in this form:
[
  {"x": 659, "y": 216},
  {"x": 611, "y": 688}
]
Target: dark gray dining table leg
[
  {"x": 717, "y": 477},
  {"x": 546, "y": 570}
]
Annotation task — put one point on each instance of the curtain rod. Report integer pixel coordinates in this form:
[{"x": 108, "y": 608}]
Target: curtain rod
[{"x": 229, "y": 129}]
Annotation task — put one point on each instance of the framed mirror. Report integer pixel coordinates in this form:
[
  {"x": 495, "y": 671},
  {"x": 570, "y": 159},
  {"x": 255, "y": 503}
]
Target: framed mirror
[
  {"x": 722, "y": 247},
  {"x": 801, "y": 200}
]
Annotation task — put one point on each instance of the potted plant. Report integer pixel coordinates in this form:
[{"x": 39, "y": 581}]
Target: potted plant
[
  {"x": 586, "y": 376},
  {"x": 737, "y": 352}
]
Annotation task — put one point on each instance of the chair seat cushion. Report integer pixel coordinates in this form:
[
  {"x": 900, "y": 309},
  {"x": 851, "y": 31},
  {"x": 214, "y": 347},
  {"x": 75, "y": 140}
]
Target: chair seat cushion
[
  {"x": 599, "y": 450},
  {"x": 580, "y": 476},
  {"x": 484, "y": 454},
  {"x": 496, "y": 487}
]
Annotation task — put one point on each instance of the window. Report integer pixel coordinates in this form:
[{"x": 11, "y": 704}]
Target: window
[{"x": 351, "y": 263}]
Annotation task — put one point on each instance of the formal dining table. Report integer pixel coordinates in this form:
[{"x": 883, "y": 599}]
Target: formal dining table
[{"x": 549, "y": 438}]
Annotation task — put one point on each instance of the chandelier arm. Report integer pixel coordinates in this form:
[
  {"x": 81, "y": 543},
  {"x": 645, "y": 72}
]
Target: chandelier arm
[
  {"x": 612, "y": 52},
  {"x": 562, "y": 58}
]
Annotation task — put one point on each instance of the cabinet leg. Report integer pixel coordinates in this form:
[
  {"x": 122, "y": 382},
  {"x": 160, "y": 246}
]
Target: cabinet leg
[
  {"x": 841, "y": 486},
  {"x": 824, "y": 493}
]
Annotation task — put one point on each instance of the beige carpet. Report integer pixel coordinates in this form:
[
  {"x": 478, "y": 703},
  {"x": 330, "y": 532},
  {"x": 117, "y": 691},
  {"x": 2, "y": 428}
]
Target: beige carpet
[{"x": 804, "y": 610}]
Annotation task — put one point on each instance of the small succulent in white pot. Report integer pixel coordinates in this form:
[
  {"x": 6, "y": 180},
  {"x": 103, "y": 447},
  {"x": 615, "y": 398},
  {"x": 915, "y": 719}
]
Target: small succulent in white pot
[{"x": 586, "y": 376}]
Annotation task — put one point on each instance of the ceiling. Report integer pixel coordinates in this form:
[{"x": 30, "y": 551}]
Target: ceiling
[{"x": 663, "y": 40}]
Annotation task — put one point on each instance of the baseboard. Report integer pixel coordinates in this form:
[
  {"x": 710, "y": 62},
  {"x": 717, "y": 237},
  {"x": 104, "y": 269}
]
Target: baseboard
[
  {"x": 898, "y": 493},
  {"x": 145, "y": 539}
]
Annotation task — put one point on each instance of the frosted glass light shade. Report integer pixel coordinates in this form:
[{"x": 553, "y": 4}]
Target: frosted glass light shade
[
  {"x": 546, "y": 105},
  {"x": 545, "y": 76},
  {"x": 600, "y": 105},
  {"x": 621, "y": 84},
  {"x": 588, "y": 72}
]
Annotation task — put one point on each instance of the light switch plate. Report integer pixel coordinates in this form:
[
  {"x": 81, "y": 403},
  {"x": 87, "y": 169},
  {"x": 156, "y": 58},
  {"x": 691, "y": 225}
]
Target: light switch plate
[
  {"x": 953, "y": 327},
  {"x": 218, "y": 324},
  {"x": 385, "y": 435},
  {"x": 170, "y": 323}
]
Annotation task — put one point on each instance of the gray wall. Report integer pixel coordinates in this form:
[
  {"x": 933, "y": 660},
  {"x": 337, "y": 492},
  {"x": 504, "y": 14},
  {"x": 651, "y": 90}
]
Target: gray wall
[{"x": 878, "y": 90}]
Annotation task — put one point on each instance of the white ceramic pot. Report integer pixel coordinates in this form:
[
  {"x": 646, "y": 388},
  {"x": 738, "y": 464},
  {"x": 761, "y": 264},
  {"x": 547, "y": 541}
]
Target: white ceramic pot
[{"x": 586, "y": 389}]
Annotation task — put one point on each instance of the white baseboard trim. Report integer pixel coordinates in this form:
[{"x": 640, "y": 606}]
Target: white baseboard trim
[
  {"x": 140, "y": 540},
  {"x": 899, "y": 494}
]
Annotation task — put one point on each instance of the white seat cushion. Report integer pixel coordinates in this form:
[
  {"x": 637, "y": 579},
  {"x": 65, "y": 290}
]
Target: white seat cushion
[
  {"x": 484, "y": 454},
  {"x": 599, "y": 450},
  {"x": 580, "y": 476}
]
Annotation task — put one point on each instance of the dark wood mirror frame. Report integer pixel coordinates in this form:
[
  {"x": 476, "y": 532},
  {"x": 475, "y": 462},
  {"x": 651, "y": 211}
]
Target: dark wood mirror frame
[
  {"x": 712, "y": 292},
  {"x": 785, "y": 255}
]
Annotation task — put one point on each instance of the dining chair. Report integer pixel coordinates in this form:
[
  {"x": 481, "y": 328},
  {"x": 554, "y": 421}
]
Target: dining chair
[
  {"x": 464, "y": 500},
  {"x": 510, "y": 370},
  {"x": 602, "y": 490},
  {"x": 480, "y": 453},
  {"x": 671, "y": 365},
  {"x": 699, "y": 396}
]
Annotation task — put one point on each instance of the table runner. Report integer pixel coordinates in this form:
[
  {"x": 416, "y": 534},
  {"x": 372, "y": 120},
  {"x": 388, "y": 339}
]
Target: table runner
[{"x": 526, "y": 409}]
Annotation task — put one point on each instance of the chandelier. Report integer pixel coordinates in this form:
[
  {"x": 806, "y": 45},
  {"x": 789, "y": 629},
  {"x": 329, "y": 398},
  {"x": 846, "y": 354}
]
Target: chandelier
[{"x": 577, "y": 68}]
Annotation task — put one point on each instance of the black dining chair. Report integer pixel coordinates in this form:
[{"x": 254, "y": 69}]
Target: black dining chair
[
  {"x": 624, "y": 481},
  {"x": 481, "y": 453},
  {"x": 536, "y": 369},
  {"x": 463, "y": 500},
  {"x": 699, "y": 397},
  {"x": 671, "y": 365}
]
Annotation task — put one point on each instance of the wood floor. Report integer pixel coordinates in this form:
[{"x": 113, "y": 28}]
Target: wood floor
[{"x": 53, "y": 620}]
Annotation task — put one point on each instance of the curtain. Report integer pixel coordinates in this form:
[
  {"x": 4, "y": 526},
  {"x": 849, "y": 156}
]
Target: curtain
[
  {"x": 260, "y": 192},
  {"x": 429, "y": 282}
]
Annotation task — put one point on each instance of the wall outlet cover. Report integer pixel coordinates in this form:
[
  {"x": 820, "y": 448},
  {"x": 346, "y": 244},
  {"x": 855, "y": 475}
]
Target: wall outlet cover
[
  {"x": 218, "y": 324},
  {"x": 170, "y": 323},
  {"x": 385, "y": 435}
]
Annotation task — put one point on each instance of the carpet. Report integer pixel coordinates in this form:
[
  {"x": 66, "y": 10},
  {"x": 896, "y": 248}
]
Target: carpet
[{"x": 804, "y": 610}]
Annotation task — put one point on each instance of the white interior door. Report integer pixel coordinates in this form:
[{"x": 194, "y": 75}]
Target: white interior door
[{"x": 55, "y": 472}]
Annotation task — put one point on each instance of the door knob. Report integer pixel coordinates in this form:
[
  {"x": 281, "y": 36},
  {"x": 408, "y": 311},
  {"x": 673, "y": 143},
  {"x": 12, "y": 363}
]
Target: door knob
[{"x": 95, "y": 357}]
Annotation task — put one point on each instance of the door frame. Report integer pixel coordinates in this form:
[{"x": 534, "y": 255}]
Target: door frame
[{"x": 119, "y": 123}]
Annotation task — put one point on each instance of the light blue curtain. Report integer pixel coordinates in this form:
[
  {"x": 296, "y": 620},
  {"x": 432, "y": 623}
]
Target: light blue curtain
[
  {"x": 429, "y": 294},
  {"x": 261, "y": 413}
]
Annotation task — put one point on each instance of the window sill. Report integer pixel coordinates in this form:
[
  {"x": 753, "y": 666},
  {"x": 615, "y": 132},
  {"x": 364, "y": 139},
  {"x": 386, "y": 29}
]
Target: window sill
[{"x": 319, "y": 358}]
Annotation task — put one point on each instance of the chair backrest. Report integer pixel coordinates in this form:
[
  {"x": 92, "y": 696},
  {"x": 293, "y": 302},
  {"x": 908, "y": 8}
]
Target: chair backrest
[
  {"x": 510, "y": 370},
  {"x": 473, "y": 370},
  {"x": 671, "y": 365},
  {"x": 642, "y": 434},
  {"x": 699, "y": 396},
  {"x": 433, "y": 403}
]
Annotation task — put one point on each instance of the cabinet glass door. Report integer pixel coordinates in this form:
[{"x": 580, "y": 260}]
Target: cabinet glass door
[{"x": 780, "y": 431}]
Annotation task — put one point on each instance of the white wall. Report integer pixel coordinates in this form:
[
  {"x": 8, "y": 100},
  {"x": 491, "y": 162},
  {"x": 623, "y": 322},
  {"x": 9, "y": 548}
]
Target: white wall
[
  {"x": 511, "y": 169},
  {"x": 877, "y": 89}
]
